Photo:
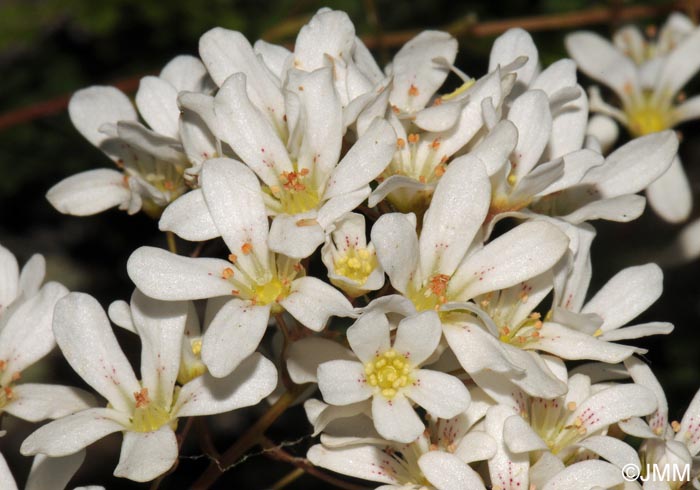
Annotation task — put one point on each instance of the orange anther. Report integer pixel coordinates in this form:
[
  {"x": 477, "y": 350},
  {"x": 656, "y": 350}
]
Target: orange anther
[
  {"x": 246, "y": 248},
  {"x": 304, "y": 171},
  {"x": 413, "y": 138},
  {"x": 142, "y": 398},
  {"x": 232, "y": 258},
  {"x": 413, "y": 90},
  {"x": 228, "y": 272},
  {"x": 422, "y": 179},
  {"x": 400, "y": 142},
  {"x": 440, "y": 170},
  {"x": 438, "y": 101},
  {"x": 435, "y": 144}
]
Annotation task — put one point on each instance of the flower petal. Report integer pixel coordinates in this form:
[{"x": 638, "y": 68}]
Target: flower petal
[
  {"x": 252, "y": 380},
  {"x": 442, "y": 395},
  {"x": 343, "y": 382},
  {"x": 365, "y": 461},
  {"x": 313, "y": 302},
  {"x": 573, "y": 345},
  {"x": 160, "y": 326},
  {"x": 189, "y": 218},
  {"x": 9, "y": 278},
  {"x": 624, "y": 297},
  {"x": 511, "y": 45},
  {"x": 297, "y": 235},
  {"x": 395, "y": 419},
  {"x": 418, "y": 336},
  {"x": 396, "y": 242},
  {"x": 90, "y": 108},
  {"x": 586, "y": 474},
  {"x": 89, "y": 192},
  {"x": 185, "y": 72},
  {"x": 233, "y": 335},
  {"x": 447, "y": 472},
  {"x": 36, "y": 402},
  {"x": 49, "y": 472},
  {"x": 163, "y": 275},
  {"x": 147, "y": 455},
  {"x": 682, "y": 63},
  {"x": 369, "y": 336},
  {"x": 157, "y": 103},
  {"x": 86, "y": 339},
  {"x": 70, "y": 434},
  {"x": 531, "y": 115},
  {"x": 670, "y": 196},
  {"x": 305, "y": 355},
  {"x": 600, "y": 60},
  {"x": 444, "y": 240},
  {"x": 520, "y": 254}
]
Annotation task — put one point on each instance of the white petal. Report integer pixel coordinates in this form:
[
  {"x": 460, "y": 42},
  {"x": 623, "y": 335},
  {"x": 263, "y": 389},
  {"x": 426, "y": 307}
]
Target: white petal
[
  {"x": 157, "y": 103},
  {"x": 613, "y": 404},
  {"x": 586, "y": 475},
  {"x": 163, "y": 275},
  {"x": 366, "y": 462},
  {"x": 621, "y": 208},
  {"x": 86, "y": 339},
  {"x": 30, "y": 278},
  {"x": 147, "y": 455},
  {"x": 227, "y": 52},
  {"x": 369, "y": 336},
  {"x": 533, "y": 120},
  {"x": 520, "y": 437},
  {"x": 511, "y": 45},
  {"x": 614, "y": 450},
  {"x": 27, "y": 336},
  {"x": 90, "y": 108},
  {"x": 507, "y": 470},
  {"x": 573, "y": 345},
  {"x": 689, "y": 432},
  {"x": 442, "y": 395},
  {"x": 343, "y": 382},
  {"x": 305, "y": 355},
  {"x": 446, "y": 472},
  {"x": 418, "y": 336},
  {"x": 670, "y": 196},
  {"x": 629, "y": 293},
  {"x": 638, "y": 331},
  {"x": 189, "y": 218},
  {"x": 367, "y": 158},
  {"x": 233, "y": 335},
  {"x": 546, "y": 467},
  {"x": 438, "y": 118},
  {"x": 476, "y": 446},
  {"x": 444, "y": 239},
  {"x": 9, "y": 278},
  {"x": 253, "y": 379},
  {"x": 296, "y": 236},
  {"x": 185, "y": 72},
  {"x": 313, "y": 302},
  {"x": 161, "y": 326},
  {"x": 37, "y": 402},
  {"x": 275, "y": 57},
  {"x": 536, "y": 379},
  {"x": 234, "y": 199},
  {"x": 477, "y": 349},
  {"x": 681, "y": 65},
  {"x": 496, "y": 147},
  {"x": 70, "y": 434},
  {"x": 395, "y": 240},
  {"x": 416, "y": 77},
  {"x": 119, "y": 313},
  {"x": 241, "y": 124},
  {"x": 329, "y": 33},
  {"x": 47, "y": 473},
  {"x": 642, "y": 374},
  {"x": 634, "y": 166},
  {"x": 6, "y": 478},
  {"x": 524, "y": 252},
  {"x": 605, "y": 130},
  {"x": 599, "y": 59},
  {"x": 89, "y": 192},
  {"x": 395, "y": 419}
]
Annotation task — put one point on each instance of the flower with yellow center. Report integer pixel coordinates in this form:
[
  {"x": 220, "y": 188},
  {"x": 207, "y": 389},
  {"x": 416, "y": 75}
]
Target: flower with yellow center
[
  {"x": 351, "y": 261},
  {"x": 390, "y": 374},
  {"x": 145, "y": 410},
  {"x": 260, "y": 282}
]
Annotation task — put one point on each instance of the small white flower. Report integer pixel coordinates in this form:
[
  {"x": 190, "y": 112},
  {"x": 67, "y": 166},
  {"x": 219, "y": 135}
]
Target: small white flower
[
  {"x": 54, "y": 473},
  {"x": 389, "y": 373},
  {"x": 147, "y": 410}
]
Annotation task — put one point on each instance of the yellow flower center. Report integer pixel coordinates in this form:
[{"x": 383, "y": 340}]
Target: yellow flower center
[
  {"x": 295, "y": 194},
  {"x": 271, "y": 292},
  {"x": 432, "y": 295},
  {"x": 389, "y": 372},
  {"x": 149, "y": 416},
  {"x": 648, "y": 116},
  {"x": 191, "y": 369},
  {"x": 356, "y": 264}
]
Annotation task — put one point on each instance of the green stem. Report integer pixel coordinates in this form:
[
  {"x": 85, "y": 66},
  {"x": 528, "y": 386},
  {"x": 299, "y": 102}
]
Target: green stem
[{"x": 172, "y": 246}]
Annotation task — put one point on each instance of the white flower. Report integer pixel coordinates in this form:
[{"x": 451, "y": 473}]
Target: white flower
[
  {"x": 647, "y": 94},
  {"x": 352, "y": 262},
  {"x": 151, "y": 161},
  {"x": 46, "y": 473},
  {"x": 146, "y": 411},
  {"x": 437, "y": 460},
  {"x": 260, "y": 281},
  {"x": 26, "y": 315},
  {"x": 389, "y": 373}
]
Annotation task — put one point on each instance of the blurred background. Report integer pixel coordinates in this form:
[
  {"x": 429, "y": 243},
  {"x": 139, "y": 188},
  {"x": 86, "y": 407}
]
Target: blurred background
[{"x": 50, "y": 48}]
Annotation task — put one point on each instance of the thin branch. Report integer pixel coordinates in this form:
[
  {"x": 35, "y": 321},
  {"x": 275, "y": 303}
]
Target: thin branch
[{"x": 274, "y": 451}]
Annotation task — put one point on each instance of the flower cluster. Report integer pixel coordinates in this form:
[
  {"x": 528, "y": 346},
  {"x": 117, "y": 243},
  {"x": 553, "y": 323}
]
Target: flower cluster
[{"x": 455, "y": 230}]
